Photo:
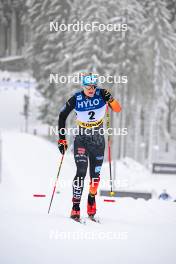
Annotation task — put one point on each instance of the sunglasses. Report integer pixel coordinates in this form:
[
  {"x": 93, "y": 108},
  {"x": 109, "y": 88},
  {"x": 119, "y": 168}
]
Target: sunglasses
[{"x": 89, "y": 87}]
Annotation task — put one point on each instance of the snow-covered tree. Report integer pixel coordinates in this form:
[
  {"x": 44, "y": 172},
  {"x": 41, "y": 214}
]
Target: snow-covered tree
[
  {"x": 145, "y": 54},
  {"x": 161, "y": 45},
  {"x": 45, "y": 53}
]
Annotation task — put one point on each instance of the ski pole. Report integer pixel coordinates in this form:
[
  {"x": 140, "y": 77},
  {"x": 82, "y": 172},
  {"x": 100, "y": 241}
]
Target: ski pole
[
  {"x": 56, "y": 183},
  {"x": 109, "y": 149}
]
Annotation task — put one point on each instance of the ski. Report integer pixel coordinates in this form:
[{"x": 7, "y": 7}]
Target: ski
[
  {"x": 79, "y": 220},
  {"x": 94, "y": 219}
]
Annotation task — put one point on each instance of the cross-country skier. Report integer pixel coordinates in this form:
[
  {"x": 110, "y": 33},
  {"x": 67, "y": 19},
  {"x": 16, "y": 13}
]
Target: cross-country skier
[{"x": 90, "y": 107}]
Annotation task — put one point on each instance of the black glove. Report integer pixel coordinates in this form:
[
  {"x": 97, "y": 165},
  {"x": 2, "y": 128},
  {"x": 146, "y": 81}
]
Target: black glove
[
  {"x": 108, "y": 97},
  {"x": 62, "y": 145}
]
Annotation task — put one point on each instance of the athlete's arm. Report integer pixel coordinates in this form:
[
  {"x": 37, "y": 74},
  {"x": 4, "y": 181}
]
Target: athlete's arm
[
  {"x": 65, "y": 111},
  {"x": 114, "y": 104}
]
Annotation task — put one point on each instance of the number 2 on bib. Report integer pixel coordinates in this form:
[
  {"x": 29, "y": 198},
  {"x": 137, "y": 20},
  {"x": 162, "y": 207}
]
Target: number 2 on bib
[{"x": 91, "y": 114}]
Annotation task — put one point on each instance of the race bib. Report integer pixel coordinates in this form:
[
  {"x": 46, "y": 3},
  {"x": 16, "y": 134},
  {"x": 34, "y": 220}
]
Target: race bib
[{"x": 90, "y": 109}]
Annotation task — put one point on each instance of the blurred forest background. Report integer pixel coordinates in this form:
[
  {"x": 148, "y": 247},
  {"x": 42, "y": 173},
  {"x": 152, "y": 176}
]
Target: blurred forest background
[{"x": 146, "y": 55}]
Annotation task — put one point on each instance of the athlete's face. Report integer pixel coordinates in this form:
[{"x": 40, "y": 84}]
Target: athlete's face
[{"x": 89, "y": 90}]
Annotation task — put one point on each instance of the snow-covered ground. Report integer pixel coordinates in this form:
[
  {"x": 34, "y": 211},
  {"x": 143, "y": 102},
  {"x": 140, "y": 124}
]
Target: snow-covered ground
[
  {"x": 133, "y": 176},
  {"x": 131, "y": 231}
]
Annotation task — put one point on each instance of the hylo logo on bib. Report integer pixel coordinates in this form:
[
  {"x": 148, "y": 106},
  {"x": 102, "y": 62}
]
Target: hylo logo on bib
[{"x": 88, "y": 103}]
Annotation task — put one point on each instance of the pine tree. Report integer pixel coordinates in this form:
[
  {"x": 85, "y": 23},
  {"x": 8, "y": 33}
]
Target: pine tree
[
  {"x": 161, "y": 44},
  {"x": 86, "y": 48},
  {"x": 127, "y": 55},
  {"x": 46, "y": 52}
]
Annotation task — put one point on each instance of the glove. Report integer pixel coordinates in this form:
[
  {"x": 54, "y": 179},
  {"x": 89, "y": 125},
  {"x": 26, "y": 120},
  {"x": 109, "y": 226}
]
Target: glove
[
  {"x": 108, "y": 97},
  {"x": 62, "y": 145}
]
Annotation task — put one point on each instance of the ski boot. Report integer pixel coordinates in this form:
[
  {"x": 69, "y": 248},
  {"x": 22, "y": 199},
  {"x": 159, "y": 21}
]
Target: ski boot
[
  {"x": 75, "y": 212},
  {"x": 91, "y": 205}
]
